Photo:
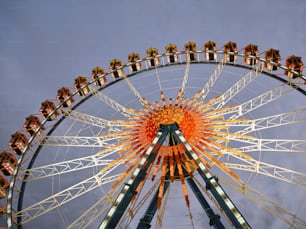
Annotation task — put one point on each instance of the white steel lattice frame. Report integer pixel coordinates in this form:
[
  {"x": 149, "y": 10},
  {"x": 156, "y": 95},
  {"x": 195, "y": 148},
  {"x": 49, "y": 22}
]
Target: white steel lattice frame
[
  {"x": 79, "y": 141},
  {"x": 238, "y": 111},
  {"x": 66, "y": 195},
  {"x": 272, "y": 145},
  {"x": 100, "y": 206},
  {"x": 93, "y": 120},
  {"x": 211, "y": 81},
  {"x": 115, "y": 105},
  {"x": 237, "y": 87},
  {"x": 67, "y": 166},
  {"x": 254, "y": 103},
  {"x": 267, "y": 169},
  {"x": 287, "y": 118}
]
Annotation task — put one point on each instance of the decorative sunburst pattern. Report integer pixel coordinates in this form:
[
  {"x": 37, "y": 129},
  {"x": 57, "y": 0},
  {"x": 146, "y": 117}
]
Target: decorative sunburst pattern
[{"x": 203, "y": 126}]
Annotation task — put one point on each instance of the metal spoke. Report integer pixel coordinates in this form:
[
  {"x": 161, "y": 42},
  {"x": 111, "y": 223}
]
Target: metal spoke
[
  {"x": 202, "y": 94},
  {"x": 90, "y": 215},
  {"x": 87, "y": 218},
  {"x": 42, "y": 207},
  {"x": 260, "y": 100},
  {"x": 134, "y": 90},
  {"x": 185, "y": 79},
  {"x": 80, "y": 141},
  {"x": 273, "y": 145},
  {"x": 94, "y": 120},
  {"x": 237, "y": 87},
  {"x": 125, "y": 111},
  {"x": 68, "y": 166},
  {"x": 274, "y": 121},
  {"x": 274, "y": 171},
  {"x": 250, "y": 105}
]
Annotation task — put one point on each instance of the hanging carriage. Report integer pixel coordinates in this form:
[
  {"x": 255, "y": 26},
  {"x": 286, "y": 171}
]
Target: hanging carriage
[
  {"x": 47, "y": 110},
  {"x": 81, "y": 85},
  {"x": 64, "y": 96},
  {"x": 97, "y": 74},
  {"x": 191, "y": 48},
  {"x": 152, "y": 53},
  {"x": 231, "y": 51},
  {"x": 171, "y": 51},
  {"x": 250, "y": 54},
  {"x": 115, "y": 66},
  {"x": 134, "y": 58},
  {"x": 210, "y": 51},
  {"x": 294, "y": 63},
  {"x": 7, "y": 163},
  {"x": 31, "y": 124},
  {"x": 273, "y": 59},
  {"x": 18, "y": 142},
  {"x": 3, "y": 187}
]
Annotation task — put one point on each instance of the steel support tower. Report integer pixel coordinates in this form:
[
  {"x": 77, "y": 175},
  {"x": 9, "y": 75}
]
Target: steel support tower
[{"x": 175, "y": 135}]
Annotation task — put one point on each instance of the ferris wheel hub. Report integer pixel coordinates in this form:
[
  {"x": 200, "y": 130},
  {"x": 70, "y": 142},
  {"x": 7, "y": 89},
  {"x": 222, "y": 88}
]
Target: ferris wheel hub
[{"x": 168, "y": 115}]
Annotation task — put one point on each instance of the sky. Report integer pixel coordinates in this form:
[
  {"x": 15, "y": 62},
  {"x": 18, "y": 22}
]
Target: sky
[{"x": 44, "y": 45}]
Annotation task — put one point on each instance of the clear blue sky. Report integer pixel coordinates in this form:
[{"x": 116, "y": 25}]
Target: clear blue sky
[{"x": 44, "y": 45}]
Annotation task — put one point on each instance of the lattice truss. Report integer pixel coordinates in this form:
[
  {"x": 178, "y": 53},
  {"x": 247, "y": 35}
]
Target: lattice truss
[{"x": 206, "y": 126}]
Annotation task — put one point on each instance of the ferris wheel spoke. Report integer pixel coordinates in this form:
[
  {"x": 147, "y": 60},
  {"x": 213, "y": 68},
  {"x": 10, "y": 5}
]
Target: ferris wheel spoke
[
  {"x": 292, "y": 219},
  {"x": 296, "y": 116},
  {"x": 271, "y": 145},
  {"x": 237, "y": 87},
  {"x": 261, "y": 100},
  {"x": 87, "y": 218},
  {"x": 185, "y": 78},
  {"x": 255, "y": 103},
  {"x": 267, "y": 169},
  {"x": 83, "y": 141},
  {"x": 42, "y": 207},
  {"x": 95, "y": 121},
  {"x": 125, "y": 111},
  {"x": 141, "y": 99},
  {"x": 201, "y": 95},
  {"x": 67, "y": 166},
  {"x": 95, "y": 211}
]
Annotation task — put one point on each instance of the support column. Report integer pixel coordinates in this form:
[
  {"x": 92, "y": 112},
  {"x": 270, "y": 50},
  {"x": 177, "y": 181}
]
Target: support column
[
  {"x": 214, "y": 219},
  {"x": 215, "y": 188},
  {"x": 120, "y": 205},
  {"x": 145, "y": 221}
]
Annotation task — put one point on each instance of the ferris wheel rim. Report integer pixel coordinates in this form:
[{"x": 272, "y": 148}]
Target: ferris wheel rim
[{"x": 88, "y": 96}]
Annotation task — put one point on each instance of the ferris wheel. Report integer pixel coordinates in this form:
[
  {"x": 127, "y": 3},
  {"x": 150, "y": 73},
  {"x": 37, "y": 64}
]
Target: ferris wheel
[{"x": 210, "y": 137}]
